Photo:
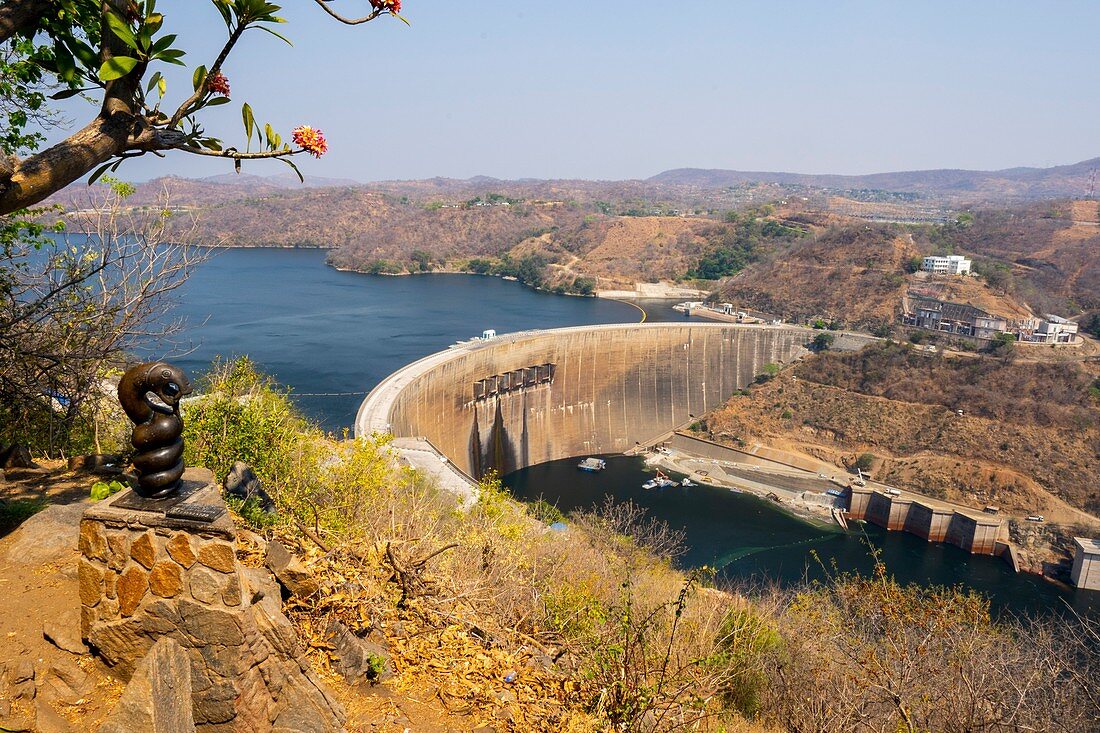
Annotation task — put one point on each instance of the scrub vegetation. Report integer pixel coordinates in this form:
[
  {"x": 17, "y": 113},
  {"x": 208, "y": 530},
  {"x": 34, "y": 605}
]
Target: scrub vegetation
[{"x": 596, "y": 627}]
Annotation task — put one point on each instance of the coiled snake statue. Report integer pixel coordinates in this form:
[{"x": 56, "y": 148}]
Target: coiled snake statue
[{"x": 150, "y": 395}]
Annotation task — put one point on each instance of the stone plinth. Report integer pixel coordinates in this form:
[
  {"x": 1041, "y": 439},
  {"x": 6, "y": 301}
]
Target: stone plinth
[{"x": 145, "y": 575}]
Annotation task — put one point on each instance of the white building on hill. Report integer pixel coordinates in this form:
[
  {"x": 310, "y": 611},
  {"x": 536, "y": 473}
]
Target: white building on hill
[{"x": 952, "y": 265}]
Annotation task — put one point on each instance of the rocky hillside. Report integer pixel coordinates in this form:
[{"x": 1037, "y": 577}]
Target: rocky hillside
[{"x": 1028, "y": 438}]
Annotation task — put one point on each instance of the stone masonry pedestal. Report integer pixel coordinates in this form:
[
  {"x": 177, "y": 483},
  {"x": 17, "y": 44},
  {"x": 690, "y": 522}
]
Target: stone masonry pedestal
[{"x": 145, "y": 575}]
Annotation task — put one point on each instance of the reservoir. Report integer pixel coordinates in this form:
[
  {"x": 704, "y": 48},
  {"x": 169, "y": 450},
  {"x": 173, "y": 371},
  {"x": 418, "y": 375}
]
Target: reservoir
[{"x": 331, "y": 336}]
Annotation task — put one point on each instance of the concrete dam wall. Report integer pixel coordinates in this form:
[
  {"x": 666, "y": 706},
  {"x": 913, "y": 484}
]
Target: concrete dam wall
[{"x": 523, "y": 399}]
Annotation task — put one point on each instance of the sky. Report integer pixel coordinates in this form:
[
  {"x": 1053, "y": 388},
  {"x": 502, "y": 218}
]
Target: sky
[{"x": 617, "y": 90}]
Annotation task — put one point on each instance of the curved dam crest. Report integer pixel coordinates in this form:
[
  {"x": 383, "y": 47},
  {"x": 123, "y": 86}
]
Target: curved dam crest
[{"x": 527, "y": 398}]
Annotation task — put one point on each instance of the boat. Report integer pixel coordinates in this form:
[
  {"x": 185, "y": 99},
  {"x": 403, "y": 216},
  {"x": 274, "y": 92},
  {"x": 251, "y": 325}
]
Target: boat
[
  {"x": 592, "y": 464},
  {"x": 688, "y": 482},
  {"x": 660, "y": 481}
]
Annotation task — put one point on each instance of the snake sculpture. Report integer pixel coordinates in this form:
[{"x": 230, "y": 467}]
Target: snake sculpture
[{"x": 150, "y": 395}]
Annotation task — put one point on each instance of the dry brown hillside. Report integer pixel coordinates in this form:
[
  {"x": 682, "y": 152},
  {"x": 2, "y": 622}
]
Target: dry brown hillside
[
  {"x": 853, "y": 273},
  {"x": 1028, "y": 438},
  {"x": 1053, "y": 250}
]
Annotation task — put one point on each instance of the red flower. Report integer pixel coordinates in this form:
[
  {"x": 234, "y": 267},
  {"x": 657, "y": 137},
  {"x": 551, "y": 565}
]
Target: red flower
[
  {"x": 217, "y": 83},
  {"x": 393, "y": 7},
  {"x": 311, "y": 140}
]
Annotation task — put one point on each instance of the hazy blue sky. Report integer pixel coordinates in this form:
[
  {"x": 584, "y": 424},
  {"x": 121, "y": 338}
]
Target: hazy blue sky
[{"x": 619, "y": 89}]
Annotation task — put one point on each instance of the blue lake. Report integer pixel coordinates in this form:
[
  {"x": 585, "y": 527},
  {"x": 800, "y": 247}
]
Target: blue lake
[{"x": 331, "y": 336}]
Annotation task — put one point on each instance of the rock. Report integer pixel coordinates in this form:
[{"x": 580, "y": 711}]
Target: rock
[
  {"x": 357, "y": 659},
  {"x": 290, "y": 571},
  {"x": 219, "y": 556},
  {"x": 90, "y": 582},
  {"x": 231, "y": 593},
  {"x": 16, "y": 723},
  {"x": 92, "y": 543},
  {"x": 179, "y": 549},
  {"x": 243, "y": 484},
  {"x": 144, "y": 550},
  {"x": 46, "y": 537},
  {"x": 16, "y": 456},
  {"x": 104, "y": 464},
  {"x": 206, "y": 585},
  {"x": 118, "y": 550},
  {"x": 48, "y": 720},
  {"x": 165, "y": 579},
  {"x": 64, "y": 632},
  {"x": 158, "y": 696},
  {"x": 305, "y": 708},
  {"x": 260, "y": 586},
  {"x": 63, "y": 682},
  {"x": 131, "y": 588}
]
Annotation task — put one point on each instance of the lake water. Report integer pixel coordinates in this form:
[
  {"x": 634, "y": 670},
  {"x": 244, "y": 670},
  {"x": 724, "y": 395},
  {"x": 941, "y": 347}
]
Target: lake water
[
  {"x": 326, "y": 332},
  {"x": 332, "y": 336}
]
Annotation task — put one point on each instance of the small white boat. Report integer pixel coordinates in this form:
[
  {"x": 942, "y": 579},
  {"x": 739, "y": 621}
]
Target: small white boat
[
  {"x": 651, "y": 484},
  {"x": 688, "y": 482},
  {"x": 592, "y": 464}
]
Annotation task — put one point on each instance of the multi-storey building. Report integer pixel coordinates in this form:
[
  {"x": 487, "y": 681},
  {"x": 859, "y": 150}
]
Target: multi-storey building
[
  {"x": 957, "y": 318},
  {"x": 951, "y": 265},
  {"x": 1049, "y": 329}
]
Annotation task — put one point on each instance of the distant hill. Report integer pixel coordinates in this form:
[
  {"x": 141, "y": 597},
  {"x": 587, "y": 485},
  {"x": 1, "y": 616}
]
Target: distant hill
[
  {"x": 1010, "y": 184},
  {"x": 285, "y": 180}
]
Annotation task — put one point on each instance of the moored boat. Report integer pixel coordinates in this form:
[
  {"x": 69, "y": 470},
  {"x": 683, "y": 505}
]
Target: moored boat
[{"x": 592, "y": 464}]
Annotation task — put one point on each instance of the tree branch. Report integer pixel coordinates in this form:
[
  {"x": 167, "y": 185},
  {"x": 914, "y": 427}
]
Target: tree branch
[
  {"x": 21, "y": 16},
  {"x": 347, "y": 21},
  {"x": 184, "y": 108}
]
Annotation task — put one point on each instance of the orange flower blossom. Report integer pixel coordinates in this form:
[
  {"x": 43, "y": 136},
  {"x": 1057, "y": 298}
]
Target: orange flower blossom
[{"x": 311, "y": 140}]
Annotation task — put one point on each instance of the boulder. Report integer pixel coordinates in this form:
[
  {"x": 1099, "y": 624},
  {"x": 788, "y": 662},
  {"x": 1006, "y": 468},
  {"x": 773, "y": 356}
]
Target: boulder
[
  {"x": 243, "y": 484},
  {"x": 102, "y": 464},
  {"x": 16, "y": 456},
  {"x": 48, "y": 720},
  {"x": 63, "y": 682},
  {"x": 290, "y": 571},
  {"x": 158, "y": 696},
  {"x": 46, "y": 537},
  {"x": 64, "y": 632},
  {"x": 358, "y": 659}
]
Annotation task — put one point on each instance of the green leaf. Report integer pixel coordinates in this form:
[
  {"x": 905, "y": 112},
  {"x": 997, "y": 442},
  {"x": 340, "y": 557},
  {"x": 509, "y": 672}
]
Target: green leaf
[
  {"x": 66, "y": 93},
  {"x": 270, "y": 134},
  {"x": 280, "y": 36},
  {"x": 295, "y": 168},
  {"x": 162, "y": 87},
  {"x": 82, "y": 51},
  {"x": 116, "y": 67},
  {"x": 100, "y": 491},
  {"x": 170, "y": 56},
  {"x": 216, "y": 101},
  {"x": 249, "y": 121},
  {"x": 199, "y": 77},
  {"x": 162, "y": 44},
  {"x": 122, "y": 29},
  {"x": 98, "y": 172},
  {"x": 156, "y": 77}
]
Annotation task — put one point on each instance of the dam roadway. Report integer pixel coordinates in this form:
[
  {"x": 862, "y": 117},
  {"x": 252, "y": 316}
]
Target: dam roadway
[{"x": 526, "y": 398}]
